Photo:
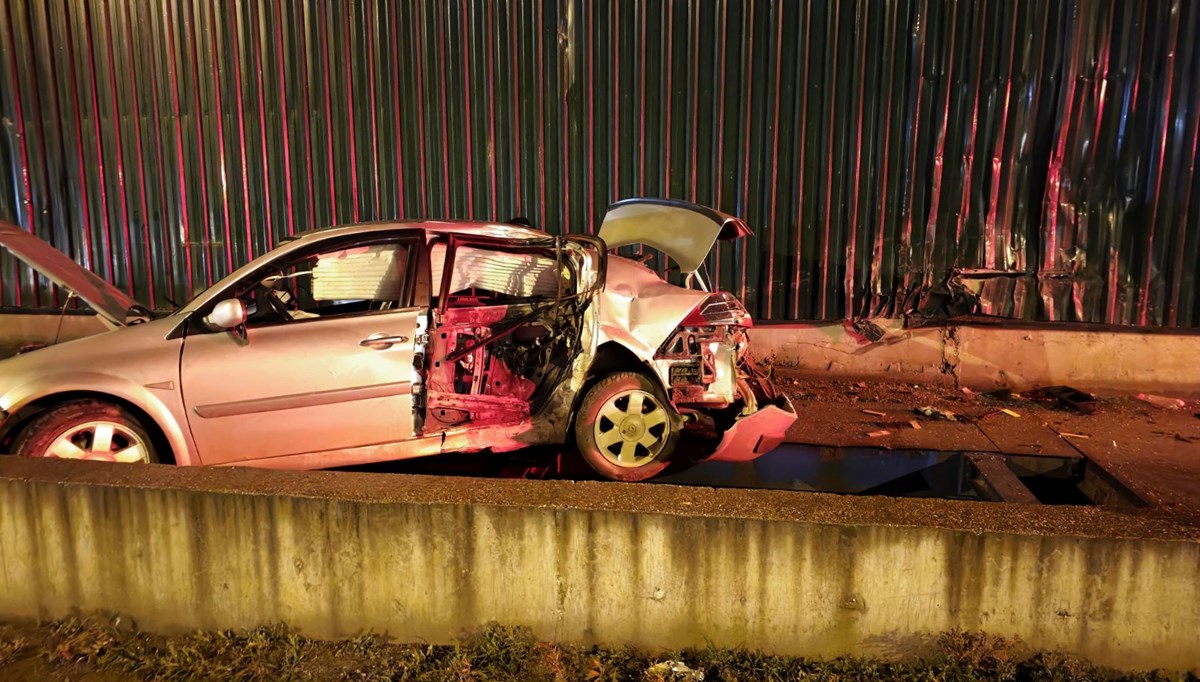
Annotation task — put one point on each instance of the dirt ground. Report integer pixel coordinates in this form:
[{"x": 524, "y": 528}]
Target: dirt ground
[{"x": 1154, "y": 451}]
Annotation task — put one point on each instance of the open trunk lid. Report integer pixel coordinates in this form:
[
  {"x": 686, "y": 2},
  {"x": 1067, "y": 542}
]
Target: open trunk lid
[
  {"x": 684, "y": 231},
  {"x": 109, "y": 302}
]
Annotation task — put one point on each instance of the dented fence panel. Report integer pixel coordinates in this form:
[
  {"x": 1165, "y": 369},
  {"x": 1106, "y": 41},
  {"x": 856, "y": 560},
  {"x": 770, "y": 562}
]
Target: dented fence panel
[{"x": 1023, "y": 159}]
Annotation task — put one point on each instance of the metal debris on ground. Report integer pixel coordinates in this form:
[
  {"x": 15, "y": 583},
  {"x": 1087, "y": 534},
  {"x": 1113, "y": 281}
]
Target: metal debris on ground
[
  {"x": 874, "y": 413},
  {"x": 1064, "y": 434},
  {"x": 868, "y": 330},
  {"x": 915, "y": 424},
  {"x": 1011, "y": 413},
  {"x": 1070, "y": 397},
  {"x": 879, "y": 434},
  {"x": 933, "y": 412},
  {"x": 1161, "y": 401}
]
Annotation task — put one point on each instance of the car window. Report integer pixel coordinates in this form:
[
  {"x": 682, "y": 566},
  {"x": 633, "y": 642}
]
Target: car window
[
  {"x": 483, "y": 276},
  {"x": 330, "y": 283}
]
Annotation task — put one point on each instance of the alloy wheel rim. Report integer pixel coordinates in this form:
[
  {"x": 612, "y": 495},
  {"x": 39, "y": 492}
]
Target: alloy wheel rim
[
  {"x": 631, "y": 428},
  {"x": 103, "y": 441}
]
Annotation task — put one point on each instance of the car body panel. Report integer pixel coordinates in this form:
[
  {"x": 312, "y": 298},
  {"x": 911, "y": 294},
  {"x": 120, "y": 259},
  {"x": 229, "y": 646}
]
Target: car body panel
[
  {"x": 755, "y": 435},
  {"x": 684, "y": 231},
  {"x": 304, "y": 386},
  {"x": 640, "y": 310},
  {"x": 136, "y": 364},
  {"x": 109, "y": 302}
]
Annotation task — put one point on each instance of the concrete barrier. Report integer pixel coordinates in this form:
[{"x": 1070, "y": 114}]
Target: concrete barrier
[
  {"x": 988, "y": 357},
  {"x": 982, "y": 357},
  {"x": 654, "y": 566}
]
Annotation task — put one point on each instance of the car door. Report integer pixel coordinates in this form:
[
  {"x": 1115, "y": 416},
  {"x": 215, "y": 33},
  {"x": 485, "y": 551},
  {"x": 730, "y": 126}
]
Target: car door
[{"x": 326, "y": 365}]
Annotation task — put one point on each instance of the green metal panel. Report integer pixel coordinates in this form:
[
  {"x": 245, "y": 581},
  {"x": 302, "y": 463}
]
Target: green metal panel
[{"x": 1023, "y": 159}]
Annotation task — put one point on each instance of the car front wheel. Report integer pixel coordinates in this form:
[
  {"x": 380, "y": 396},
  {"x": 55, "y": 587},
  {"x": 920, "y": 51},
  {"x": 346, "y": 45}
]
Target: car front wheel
[
  {"x": 86, "y": 429},
  {"x": 625, "y": 429}
]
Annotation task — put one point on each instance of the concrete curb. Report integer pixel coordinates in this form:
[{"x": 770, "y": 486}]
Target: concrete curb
[{"x": 990, "y": 357}]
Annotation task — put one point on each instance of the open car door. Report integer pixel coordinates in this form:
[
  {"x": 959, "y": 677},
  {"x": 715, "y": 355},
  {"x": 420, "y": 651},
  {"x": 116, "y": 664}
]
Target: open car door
[{"x": 508, "y": 324}]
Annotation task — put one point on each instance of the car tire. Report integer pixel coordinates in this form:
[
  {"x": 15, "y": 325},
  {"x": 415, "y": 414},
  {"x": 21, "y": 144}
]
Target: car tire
[
  {"x": 87, "y": 429},
  {"x": 625, "y": 428}
]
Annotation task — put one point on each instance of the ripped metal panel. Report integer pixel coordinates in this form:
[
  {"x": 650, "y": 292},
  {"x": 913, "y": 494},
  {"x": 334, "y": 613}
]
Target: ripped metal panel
[{"x": 1023, "y": 159}]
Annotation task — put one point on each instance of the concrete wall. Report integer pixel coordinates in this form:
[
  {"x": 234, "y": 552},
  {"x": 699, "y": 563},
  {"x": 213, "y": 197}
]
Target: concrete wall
[
  {"x": 424, "y": 557},
  {"x": 988, "y": 357},
  {"x": 975, "y": 356}
]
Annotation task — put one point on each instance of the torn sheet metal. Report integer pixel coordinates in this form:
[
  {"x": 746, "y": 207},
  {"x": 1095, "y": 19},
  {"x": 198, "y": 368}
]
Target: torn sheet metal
[
  {"x": 640, "y": 309},
  {"x": 875, "y": 147}
]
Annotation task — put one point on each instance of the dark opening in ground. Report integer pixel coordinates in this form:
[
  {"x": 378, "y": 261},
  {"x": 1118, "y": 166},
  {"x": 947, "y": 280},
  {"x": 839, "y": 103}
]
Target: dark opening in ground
[{"x": 846, "y": 471}]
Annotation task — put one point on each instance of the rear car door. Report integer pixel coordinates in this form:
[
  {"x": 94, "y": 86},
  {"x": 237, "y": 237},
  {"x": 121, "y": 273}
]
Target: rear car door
[{"x": 326, "y": 361}]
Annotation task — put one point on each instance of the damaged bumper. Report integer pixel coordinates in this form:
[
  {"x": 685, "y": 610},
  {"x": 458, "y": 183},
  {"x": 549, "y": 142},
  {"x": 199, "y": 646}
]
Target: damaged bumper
[{"x": 756, "y": 434}]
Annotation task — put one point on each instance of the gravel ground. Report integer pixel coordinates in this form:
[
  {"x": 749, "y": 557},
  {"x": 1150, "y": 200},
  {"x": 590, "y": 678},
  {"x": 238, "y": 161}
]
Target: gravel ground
[{"x": 1155, "y": 452}]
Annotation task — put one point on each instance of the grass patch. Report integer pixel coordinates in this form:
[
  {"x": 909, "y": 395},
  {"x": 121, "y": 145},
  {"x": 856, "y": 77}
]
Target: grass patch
[
  {"x": 12, "y": 646},
  {"x": 86, "y": 646}
]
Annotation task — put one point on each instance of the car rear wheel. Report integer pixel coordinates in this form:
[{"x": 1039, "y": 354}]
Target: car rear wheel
[
  {"x": 86, "y": 429},
  {"x": 625, "y": 429}
]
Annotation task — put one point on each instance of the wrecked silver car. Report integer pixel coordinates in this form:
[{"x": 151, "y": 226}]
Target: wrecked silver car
[{"x": 387, "y": 341}]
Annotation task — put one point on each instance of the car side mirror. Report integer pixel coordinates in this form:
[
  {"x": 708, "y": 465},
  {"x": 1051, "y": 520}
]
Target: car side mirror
[{"x": 227, "y": 314}]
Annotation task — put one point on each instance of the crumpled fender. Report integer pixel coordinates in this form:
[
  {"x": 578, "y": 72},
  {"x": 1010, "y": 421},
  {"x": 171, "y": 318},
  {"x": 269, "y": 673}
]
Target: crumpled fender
[
  {"x": 757, "y": 434},
  {"x": 641, "y": 310},
  {"x": 95, "y": 382},
  {"x": 763, "y": 430}
]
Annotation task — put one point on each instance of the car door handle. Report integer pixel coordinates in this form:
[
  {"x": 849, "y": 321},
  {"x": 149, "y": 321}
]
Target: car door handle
[{"x": 381, "y": 341}]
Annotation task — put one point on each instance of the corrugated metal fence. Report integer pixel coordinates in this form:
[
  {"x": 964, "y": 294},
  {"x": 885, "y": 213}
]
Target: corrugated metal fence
[{"x": 1032, "y": 158}]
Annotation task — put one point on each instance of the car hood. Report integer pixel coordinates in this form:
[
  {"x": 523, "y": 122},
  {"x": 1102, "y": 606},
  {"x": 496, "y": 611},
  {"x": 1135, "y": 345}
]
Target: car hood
[
  {"x": 109, "y": 302},
  {"x": 686, "y": 232}
]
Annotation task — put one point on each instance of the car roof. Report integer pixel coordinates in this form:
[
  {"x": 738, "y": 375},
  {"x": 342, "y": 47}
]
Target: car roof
[{"x": 470, "y": 227}]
